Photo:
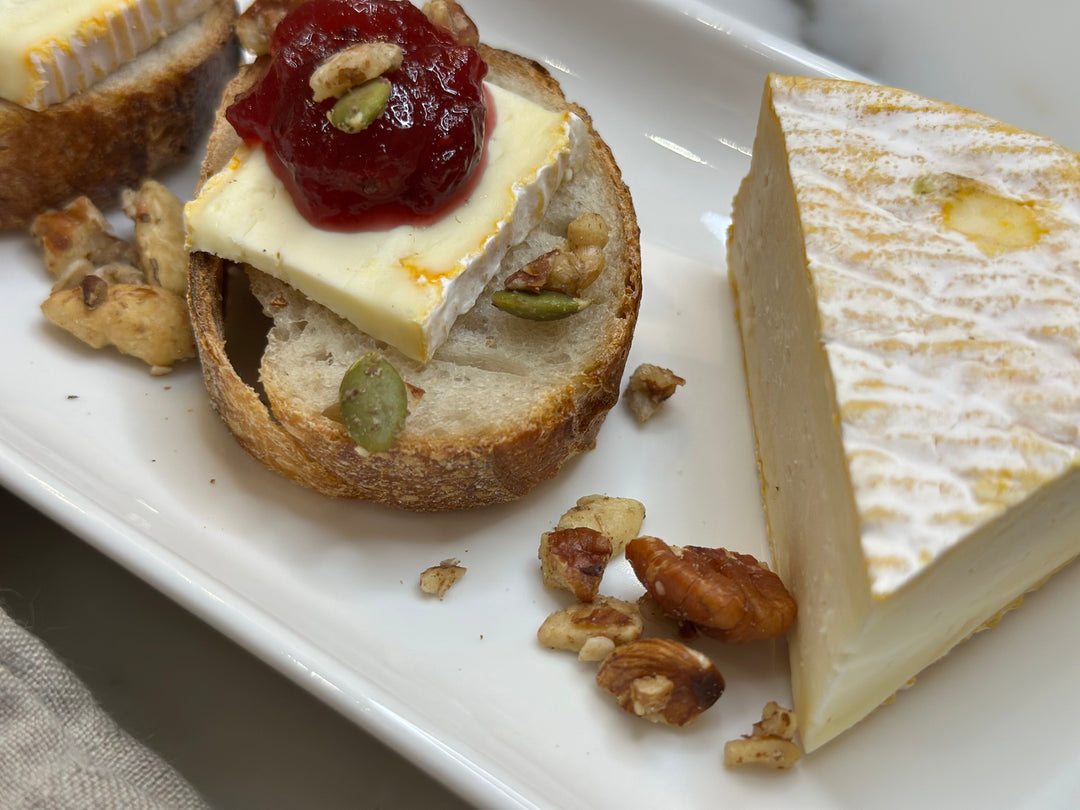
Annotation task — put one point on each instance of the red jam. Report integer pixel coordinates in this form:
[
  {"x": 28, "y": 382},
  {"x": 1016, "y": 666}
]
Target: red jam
[{"x": 414, "y": 160}]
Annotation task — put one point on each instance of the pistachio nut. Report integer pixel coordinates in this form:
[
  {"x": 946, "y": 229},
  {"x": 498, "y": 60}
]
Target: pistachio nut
[
  {"x": 546, "y": 305},
  {"x": 374, "y": 402},
  {"x": 360, "y": 107}
]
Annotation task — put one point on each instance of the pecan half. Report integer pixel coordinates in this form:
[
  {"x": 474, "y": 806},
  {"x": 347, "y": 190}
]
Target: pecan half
[
  {"x": 724, "y": 594},
  {"x": 661, "y": 680}
]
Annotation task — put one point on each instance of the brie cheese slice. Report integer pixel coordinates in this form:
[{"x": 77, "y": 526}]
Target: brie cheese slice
[
  {"x": 53, "y": 49},
  {"x": 405, "y": 285},
  {"x": 907, "y": 276}
]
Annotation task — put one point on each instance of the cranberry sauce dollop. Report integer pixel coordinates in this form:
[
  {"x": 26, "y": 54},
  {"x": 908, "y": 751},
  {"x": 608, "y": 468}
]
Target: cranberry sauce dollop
[{"x": 409, "y": 162}]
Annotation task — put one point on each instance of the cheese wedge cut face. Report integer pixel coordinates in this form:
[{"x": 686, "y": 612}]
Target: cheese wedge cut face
[
  {"x": 53, "y": 49},
  {"x": 907, "y": 276},
  {"x": 405, "y": 285}
]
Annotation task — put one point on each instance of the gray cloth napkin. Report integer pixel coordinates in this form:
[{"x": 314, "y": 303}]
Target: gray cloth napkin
[{"x": 60, "y": 750}]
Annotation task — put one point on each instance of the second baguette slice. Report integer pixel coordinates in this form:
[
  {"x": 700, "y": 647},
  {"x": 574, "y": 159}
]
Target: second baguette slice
[{"x": 505, "y": 401}]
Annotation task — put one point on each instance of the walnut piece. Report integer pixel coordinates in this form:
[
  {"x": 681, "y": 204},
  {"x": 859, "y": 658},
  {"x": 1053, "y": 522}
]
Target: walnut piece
[
  {"x": 79, "y": 233},
  {"x": 605, "y": 617},
  {"x": 619, "y": 519},
  {"x": 724, "y": 594},
  {"x": 649, "y": 387},
  {"x": 440, "y": 578},
  {"x": 109, "y": 292},
  {"x": 661, "y": 680},
  {"x": 353, "y": 66},
  {"x": 256, "y": 25},
  {"x": 146, "y": 322},
  {"x": 158, "y": 215},
  {"x": 574, "y": 559},
  {"x": 450, "y": 15},
  {"x": 770, "y": 743},
  {"x": 571, "y": 268}
]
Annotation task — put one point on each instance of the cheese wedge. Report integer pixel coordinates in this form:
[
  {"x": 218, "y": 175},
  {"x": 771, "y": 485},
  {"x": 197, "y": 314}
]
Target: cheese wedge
[
  {"x": 53, "y": 49},
  {"x": 907, "y": 276},
  {"x": 405, "y": 285}
]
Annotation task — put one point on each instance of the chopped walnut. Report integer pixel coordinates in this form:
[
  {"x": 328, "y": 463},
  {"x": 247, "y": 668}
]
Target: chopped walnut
[
  {"x": 149, "y": 323},
  {"x": 559, "y": 270},
  {"x": 109, "y": 292},
  {"x": 649, "y": 387},
  {"x": 723, "y": 594},
  {"x": 256, "y": 25},
  {"x": 619, "y": 519},
  {"x": 605, "y": 617},
  {"x": 770, "y": 743},
  {"x": 661, "y": 680},
  {"x": 79, "y": 233},
  {"x": 450, "y": 15},
  {"x": 158, "y": 215},
  {"x": 568, "y": 269},
  {"x": 574, "y": 559},
  {"x": 438, "y": 579},
  {"x": 353, "y": 66}
]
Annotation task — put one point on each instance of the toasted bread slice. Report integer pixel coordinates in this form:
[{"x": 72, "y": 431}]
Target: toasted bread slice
[
  {"x": 505, "y": 401},
  {"x": 150, "y": 113}
]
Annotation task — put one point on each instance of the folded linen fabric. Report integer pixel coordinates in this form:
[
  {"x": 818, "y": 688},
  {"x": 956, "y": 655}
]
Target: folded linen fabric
[{"x": 60, "y": 750}]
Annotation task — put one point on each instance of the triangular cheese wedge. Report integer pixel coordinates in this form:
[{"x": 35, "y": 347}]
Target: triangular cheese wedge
[{"x": 907, "y": 276}]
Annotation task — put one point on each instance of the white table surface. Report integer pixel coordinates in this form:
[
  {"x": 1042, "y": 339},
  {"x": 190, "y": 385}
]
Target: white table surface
[{"x": 246, "y": 736}]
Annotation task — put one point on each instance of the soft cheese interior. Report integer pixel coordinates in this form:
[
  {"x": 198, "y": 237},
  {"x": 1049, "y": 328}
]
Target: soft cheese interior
[
  {"x": 907, "y": 277},
  {"x": 405, "y": 285},
  {"x": 53, "y": 49}
]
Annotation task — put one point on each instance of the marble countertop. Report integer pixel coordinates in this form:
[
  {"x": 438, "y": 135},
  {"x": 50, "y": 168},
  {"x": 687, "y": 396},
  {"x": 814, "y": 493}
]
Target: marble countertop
[{"x": 247, "y": 737}]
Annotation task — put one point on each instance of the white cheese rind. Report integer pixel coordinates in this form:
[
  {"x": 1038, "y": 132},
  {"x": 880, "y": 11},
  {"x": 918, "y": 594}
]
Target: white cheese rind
[
  {"x": 53, "y": 49},
  {"x": 406, "y": 285},
  {"x": 916, "y": 400},
  {"x": 957, "y": 373}
]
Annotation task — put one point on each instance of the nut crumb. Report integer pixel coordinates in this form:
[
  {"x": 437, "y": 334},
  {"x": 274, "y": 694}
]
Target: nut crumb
[
  {"x": 438, "y": 579},
  {"x": 771, "y": 743},
  {"x": 649, "y": 387}
]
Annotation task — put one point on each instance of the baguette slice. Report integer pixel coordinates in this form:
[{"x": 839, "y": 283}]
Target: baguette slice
[
  {"x": 505, "y": 401},
  {"x": 148, "y": 114}
]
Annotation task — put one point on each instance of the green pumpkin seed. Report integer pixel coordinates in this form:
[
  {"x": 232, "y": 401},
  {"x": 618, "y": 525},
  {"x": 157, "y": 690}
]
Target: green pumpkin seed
[
  {"x": 360, "y": 107},
  {"x": 374, "y": 403},
  {"x": 546, "y": 305}
]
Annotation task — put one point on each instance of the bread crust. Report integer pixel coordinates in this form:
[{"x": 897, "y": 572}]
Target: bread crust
[
  {"x": 424, "y": 472},
  {"x": 149, "y": 114}
]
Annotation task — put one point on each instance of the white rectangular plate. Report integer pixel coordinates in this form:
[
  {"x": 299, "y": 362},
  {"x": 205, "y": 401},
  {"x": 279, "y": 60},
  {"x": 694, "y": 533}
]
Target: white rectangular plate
[{"x": 326, "y": 591}]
